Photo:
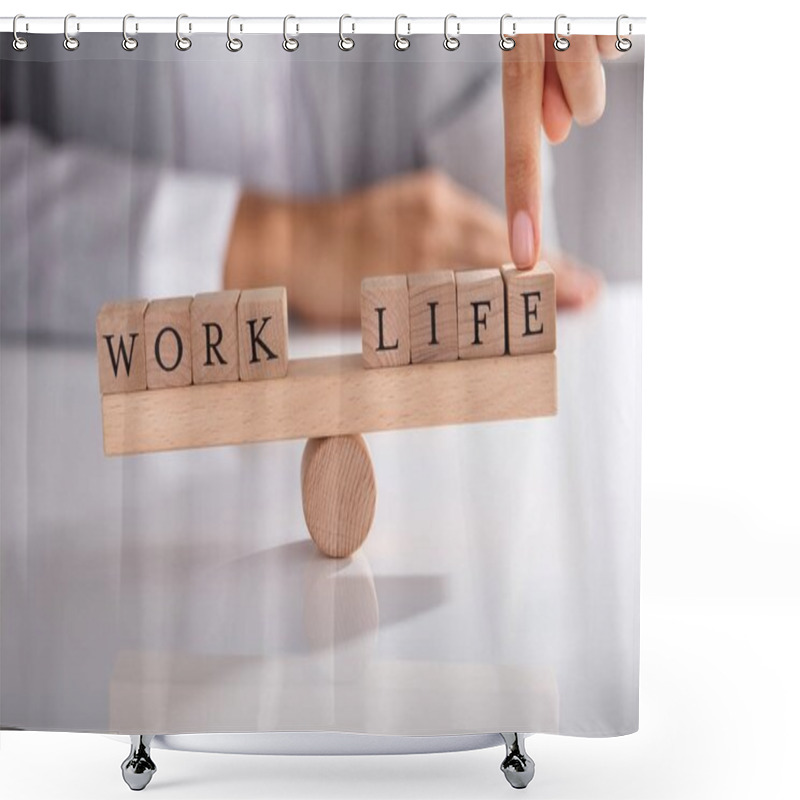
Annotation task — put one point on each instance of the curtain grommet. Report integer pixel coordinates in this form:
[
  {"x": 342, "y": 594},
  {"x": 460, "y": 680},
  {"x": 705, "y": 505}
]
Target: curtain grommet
[
  {"x": 70, "y": 42},
  {"x": 233, "y": 44},
  {"x": 622, "y": 44},
  {"x": 401, "y": 43},
  {"x": 183, "y": 43},
  {"x": 129, "y": 43},
  {"x": 451, "y": 43},
  {"x": 506, "y": 42},
  {"x": 18, "y": 43},
  {"x": 346, "y": 43},
  {"x": 290, "y": 43},
  {"x": 560, "y": 43}
]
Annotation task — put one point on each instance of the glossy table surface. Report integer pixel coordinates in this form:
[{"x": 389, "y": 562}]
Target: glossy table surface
[{"x": 179, "y": 592}]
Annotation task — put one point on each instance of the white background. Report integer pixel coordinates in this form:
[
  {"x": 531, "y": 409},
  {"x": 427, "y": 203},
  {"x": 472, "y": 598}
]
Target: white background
[{"x": 721, "y": 527}]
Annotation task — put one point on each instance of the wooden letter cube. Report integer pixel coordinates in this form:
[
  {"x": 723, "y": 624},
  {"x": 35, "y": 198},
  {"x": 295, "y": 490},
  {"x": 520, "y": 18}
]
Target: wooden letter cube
[
  {"x": 215, "y": 345},
  {"x": 168, "y": 340},
  {"x": 385, "y": 340},
  {"x": 263, "y": 334},
  {"x": 481, "y": 313},
  {"x": 432, "y": 316},
  {"x": 121, "y": 347},
  {"x": 531, "y": 309}
]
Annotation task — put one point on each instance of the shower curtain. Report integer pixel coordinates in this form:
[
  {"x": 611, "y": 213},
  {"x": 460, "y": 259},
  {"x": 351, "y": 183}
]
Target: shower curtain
[{"x": 177, "y": 590}]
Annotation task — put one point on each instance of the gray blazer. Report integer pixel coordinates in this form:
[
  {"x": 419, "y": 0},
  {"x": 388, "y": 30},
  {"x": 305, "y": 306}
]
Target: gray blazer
[{"x": 117, "y": 165}]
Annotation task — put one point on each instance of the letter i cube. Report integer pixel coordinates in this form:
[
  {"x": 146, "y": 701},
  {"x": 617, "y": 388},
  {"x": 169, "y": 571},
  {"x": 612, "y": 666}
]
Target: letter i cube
[{"x": 432, "y": 316}]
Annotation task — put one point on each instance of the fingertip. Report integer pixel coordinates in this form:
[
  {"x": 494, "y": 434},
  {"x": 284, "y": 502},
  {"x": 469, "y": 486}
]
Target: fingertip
[
  {"x": 523, "y": 246},
  {"x": 557, "y": 130},
  {"x": 556, "y": 114},
  {"x": 590, "y": 112}
]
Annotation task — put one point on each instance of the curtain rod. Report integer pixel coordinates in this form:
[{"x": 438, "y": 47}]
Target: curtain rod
[{"x": 406, "y": 26}]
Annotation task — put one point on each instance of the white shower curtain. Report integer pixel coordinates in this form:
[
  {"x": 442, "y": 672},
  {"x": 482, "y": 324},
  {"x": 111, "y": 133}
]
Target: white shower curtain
[{"x": 179, "y": 592}]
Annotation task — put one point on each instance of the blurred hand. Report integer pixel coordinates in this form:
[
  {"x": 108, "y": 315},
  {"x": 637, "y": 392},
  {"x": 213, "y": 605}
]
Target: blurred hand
[
  {"x": 416, "y": 222},
  {"x": 544, "y": 88},
  {"x": 321, "y": 249},
  {"x": 577, "y": 285}
]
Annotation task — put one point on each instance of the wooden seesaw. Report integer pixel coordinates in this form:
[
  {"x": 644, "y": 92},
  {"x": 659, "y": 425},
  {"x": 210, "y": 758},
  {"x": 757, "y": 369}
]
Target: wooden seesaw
[{"x": 331, "y": 401}]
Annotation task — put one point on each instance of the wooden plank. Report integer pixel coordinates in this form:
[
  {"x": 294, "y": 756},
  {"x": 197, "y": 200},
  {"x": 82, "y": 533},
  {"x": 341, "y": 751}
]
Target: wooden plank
[{"x": 331, "y": 396}]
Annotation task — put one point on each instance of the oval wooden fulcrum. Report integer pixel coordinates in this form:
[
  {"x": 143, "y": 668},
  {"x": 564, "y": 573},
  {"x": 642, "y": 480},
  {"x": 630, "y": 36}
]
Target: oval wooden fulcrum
[{"x": 339, "y": 493}]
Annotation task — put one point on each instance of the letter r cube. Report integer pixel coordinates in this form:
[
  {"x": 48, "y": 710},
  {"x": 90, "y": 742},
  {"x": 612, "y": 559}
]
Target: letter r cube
[{"x": 215, "y": 347}]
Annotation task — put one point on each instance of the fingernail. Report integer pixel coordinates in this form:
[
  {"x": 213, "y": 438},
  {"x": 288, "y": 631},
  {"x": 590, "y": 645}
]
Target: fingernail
[{"x": 522, "y": 239}]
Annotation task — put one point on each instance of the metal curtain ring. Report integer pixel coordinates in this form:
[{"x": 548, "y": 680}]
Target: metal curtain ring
[
  {"x": 18, "y": 43},
  {"x": 70, "y": 42},
  {"x": 182, "y": 42},
  {"x": 451, "y": 42},
  {"x": 233, "y": 44},
  {"x": 623, "y": 45},
  {"x": 129, "y": 43},
  {"x": 559, "y": 42},
  {"x": 506, "y": 42},
  {"x": 345, "y": 42},
  {"x": 290, "y": 44},
  {"x": 400, "y": 42}
]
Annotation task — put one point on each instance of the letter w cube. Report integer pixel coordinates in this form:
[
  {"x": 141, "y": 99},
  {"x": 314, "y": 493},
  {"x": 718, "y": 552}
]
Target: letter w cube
[{"x": 121, "y": 357}]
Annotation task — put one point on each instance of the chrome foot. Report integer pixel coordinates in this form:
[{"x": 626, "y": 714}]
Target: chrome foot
[
  {"x": 517, "y": 766},
  {"x": 138, "y": 768}
]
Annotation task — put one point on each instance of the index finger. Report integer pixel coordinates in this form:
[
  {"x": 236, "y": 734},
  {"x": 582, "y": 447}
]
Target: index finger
[{"x": 523, "y": 82}]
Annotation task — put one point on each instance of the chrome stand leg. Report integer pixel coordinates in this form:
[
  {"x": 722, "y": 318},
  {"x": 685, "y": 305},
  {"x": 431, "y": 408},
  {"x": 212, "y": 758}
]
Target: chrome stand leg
[
  {"x": 517, "y": 766},
  {"x": 138, "y": 768}
]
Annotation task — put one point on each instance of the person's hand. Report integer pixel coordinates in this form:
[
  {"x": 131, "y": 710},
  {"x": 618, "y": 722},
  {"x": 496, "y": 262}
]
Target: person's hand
[
  {"x": 320, "y": 250},
  {"x": 415, "y": 222},
  {"x": 544, "y": 89}
]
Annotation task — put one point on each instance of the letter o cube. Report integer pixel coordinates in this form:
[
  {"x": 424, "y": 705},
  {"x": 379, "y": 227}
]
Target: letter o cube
[{"x": 168, "y": 342}]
